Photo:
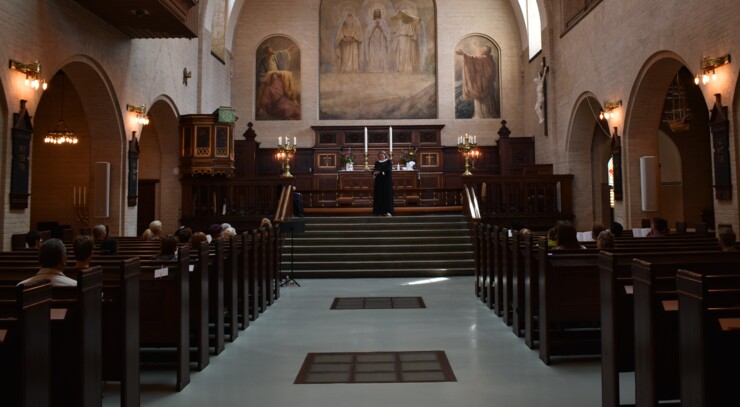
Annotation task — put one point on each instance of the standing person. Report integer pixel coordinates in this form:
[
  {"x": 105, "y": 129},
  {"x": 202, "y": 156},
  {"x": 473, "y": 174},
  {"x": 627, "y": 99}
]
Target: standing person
[
  {"x": 479, "y": 76},
  {"x": 383, "y": 189}
]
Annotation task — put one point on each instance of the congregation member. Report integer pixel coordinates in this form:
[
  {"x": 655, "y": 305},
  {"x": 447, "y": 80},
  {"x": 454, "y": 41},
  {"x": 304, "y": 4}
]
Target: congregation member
[
  {"x": 727, "y": 239},
  {"x": 33, "y": 239},
  {"x": 83, "y": 246},
  {"x": 214, "y": 232},
  {"x": 198, "y": 238},
  {"x": 605, "y": 240},
  {"x": 53, "y": 258},
  {"x": 167, "y": 249},
  {"x": 99, "y": 232},
  {"x": 109, "y": 246},
  {"x": 156, "y": 228},
  {"x": 184, "y": 234},
  {"x": 659, "y": 228},
  {"x": 567, "y": 236}
]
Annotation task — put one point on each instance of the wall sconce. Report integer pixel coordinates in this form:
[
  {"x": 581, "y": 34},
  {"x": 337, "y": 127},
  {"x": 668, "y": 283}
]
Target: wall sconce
[
  {"x": 140, "y": 111},
  {"x": 32, "y": 72},
  {"x": 609, "y": 106},
  {"x": 707, "y": 67},
  {"x": 186, "y": 75}
]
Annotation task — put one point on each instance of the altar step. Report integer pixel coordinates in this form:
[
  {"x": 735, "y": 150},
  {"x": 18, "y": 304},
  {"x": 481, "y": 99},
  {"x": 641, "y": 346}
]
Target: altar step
[{"x": 371, "y": 246}]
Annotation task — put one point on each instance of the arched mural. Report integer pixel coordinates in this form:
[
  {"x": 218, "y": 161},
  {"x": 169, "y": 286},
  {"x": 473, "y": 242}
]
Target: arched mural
[
  {"x": 278, "y": 80},
  {"x": 477, "y": 83},
  {"x": 378, "y": 59}
]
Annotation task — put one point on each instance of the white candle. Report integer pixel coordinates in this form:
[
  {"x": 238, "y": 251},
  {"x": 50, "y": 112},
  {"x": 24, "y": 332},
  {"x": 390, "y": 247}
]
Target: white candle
[
  {"x": 280, "y": 140},
  {"x": 366, "y": 139},
  {"x": 84, "y": 196},
  {"x": 74, "y": 196},
  {"x": 391, "y": 140},
  {"x": 295, "y": 140}
]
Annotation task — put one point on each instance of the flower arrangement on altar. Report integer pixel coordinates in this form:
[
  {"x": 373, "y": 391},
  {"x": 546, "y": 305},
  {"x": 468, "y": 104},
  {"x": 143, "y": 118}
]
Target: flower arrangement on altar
[
  {"x": 410, "y": 154},
  {"x": 346, "y": 155}
]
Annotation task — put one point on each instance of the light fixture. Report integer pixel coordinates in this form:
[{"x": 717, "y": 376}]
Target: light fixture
[
  {"x": 32, "y": 72},
  {"x": 707, "y": 67},
  {"x": 609, "y": 106},
  {"x": 140, "y": 111},
  {"x": 61, "y": 134}
]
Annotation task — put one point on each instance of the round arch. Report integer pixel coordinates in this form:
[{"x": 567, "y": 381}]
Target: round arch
[
  {"x": 91, "y": 108},
  {"x": 588, "y": 151},
  {"x": 159, "y": 186}
]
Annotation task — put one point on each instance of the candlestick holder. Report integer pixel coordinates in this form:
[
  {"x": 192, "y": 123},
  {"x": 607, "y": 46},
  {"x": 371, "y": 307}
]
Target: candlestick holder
[
  {"x": 467, "y": 147},
  {"x": 285, "y": 152},
  {"x": 82, "y": 213},
  {"x": 367, "y": 167}
]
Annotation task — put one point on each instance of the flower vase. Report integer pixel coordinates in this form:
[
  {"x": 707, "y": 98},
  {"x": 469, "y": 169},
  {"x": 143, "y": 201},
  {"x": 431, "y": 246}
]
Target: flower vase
[
  {"x": 410, "y": 165},
  {"x": 349, "y": 166}
]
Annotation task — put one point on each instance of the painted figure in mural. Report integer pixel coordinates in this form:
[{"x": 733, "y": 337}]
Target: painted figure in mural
[
  {"x": 479, "y": 75},
  {"x": 347, "y": 45},
  {"x": 408, "y": 37},
  {"x": 539, "y": 106},
  {"x": 272, "y": 60},
  {"x": 377, "y": 37},
  {"x": 277, "y": 96}
]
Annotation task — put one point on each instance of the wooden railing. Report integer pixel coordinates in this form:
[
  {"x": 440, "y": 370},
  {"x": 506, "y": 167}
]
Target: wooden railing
[
  {"x": 533, "y": 201},
  {"x": 285, "y": 205},
  {"x": 427, "y": 197}
]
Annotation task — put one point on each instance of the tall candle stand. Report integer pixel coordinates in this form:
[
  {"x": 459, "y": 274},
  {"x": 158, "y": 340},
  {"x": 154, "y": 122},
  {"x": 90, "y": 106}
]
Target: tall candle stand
[
  {"x": 367, "y": 167},
  {"x": 466, "y": 146},
  {"x": 285, "y": 152},
  {"x": 79, "y": 204}
]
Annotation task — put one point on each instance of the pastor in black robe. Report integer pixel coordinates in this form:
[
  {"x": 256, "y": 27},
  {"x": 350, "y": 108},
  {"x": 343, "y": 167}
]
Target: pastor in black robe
[{"x": 383, "y": 190}]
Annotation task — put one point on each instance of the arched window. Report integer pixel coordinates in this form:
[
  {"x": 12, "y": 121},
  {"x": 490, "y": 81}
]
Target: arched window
[{"x": 531, "y": 13}]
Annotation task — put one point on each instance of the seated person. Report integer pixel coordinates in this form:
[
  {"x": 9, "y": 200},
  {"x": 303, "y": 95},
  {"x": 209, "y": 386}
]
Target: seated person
[
  {"x": 156, "y": 228},
  {"x": 197, "y": 239},
  {"x": 228, "y": 233},
  {"x": 99, "y": 232},
  {"x": 598, "y": 228},
  {"x": 659, "y": 228},
  {"x": 33, "y": 239},
  {"x": 567, "y": 237},
  {"x": 605, "y": 240},
  {"x": 616, "y": 228},
  {"x": 83, "y": 246},
  {"x": 727, "y": 239},
  {"x": 147, "y": 235},
  {"x": 184, "y": 234},
  {"x": 265, "y": 224},
  {"x": 168, "y": 249},
  {"x": 214, "y": 231},
  {"x": 552, "y": 237},
  {"x": 297, "y": 204},
  {"x": 109, "y": 246},
  {"x": 53, "y": 258}
]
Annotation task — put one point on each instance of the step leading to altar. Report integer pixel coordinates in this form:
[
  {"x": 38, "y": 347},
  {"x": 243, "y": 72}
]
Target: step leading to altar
[{"x": 379, "y": 246}]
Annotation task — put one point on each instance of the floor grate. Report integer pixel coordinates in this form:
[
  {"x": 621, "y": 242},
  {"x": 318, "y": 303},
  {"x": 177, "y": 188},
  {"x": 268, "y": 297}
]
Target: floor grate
[{"x": 377, "y": 303}]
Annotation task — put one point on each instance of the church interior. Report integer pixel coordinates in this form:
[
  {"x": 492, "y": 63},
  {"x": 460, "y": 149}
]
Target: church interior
[{"x": 506, "y": 114}]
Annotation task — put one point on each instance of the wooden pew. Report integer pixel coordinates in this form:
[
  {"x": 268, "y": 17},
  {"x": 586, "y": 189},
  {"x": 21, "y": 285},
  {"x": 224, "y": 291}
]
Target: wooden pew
[
  {"x": 199, "y": 286},
  {"x": 165, "y": 305},
  {"x": 24, "y": 344},
  {"x": 619, "y": 293},
  {"x": 569, "y": 298},
  {"x": 494, "y": 282},
  {"x": 486, "y": 255},
  {"x": 216, "y": 302},
  {"x": 232, "y": 253},
  {"x": 506, "y": 276},
  {"x": 477, "y": 230},
  {"x": 709, "y": 306}
]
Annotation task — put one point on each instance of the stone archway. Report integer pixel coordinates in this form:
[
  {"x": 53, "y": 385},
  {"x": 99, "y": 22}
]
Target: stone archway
[
  {"x": 91, "y": 110},
  {"x": 644, "y": 119},
  {"x": 588, "y": 152},
  {"x": 158, "y": 164}
]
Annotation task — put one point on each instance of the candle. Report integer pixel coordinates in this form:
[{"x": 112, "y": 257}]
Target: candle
[
  {"x": 295, "y": 141},
  {"x": 84, "y": 196},
  {"x": 280, "y": 140},
  {"x": 74, "y": 196},
  {"x": 365, "y": 139},
  {"x": 391, "y": 140}
]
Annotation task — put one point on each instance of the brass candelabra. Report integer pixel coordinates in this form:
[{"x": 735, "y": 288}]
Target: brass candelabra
[
  {"x": 367, "y": 167},
  {"x": 466, "y": 145},
  {"x": 285, "y": 151}
]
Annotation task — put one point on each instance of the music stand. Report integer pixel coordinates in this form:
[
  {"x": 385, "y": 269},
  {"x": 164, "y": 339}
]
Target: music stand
[{"x": 292, "y": 227}]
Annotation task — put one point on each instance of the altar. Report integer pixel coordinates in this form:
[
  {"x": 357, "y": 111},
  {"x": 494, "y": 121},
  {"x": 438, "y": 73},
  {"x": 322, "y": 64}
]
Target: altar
[{"x": 356, "y": 187}]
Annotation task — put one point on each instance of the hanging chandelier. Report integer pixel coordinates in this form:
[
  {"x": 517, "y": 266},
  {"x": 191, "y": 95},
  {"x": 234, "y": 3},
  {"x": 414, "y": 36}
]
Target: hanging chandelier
[{"x": 61, "y": 134}]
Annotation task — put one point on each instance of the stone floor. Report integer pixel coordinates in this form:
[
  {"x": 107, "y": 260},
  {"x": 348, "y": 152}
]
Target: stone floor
[{"x": 492, "y": 366}]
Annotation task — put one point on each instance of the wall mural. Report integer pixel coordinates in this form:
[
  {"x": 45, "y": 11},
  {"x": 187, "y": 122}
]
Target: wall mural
[
  {"x": 278, "y": 77},
  {"x": 477, "y": 89},
  {"x": 378, "y": 59}
]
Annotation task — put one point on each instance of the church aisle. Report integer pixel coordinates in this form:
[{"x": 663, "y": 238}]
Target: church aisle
[{"x": 492, "y": 365}]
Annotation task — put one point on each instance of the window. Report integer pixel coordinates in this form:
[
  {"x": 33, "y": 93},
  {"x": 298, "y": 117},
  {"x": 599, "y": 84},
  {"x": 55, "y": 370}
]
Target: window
[{"x": 531, "y": 13}]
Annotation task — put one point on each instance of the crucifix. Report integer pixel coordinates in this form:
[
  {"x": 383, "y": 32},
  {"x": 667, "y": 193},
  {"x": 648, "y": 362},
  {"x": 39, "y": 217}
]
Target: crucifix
[{"x": 540, "y": 107}]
